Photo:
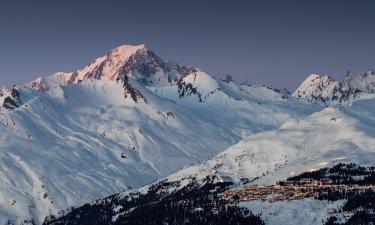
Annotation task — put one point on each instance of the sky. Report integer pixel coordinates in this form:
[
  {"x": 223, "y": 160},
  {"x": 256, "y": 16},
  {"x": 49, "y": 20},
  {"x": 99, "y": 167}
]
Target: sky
[{"x": 276, "y": 43}]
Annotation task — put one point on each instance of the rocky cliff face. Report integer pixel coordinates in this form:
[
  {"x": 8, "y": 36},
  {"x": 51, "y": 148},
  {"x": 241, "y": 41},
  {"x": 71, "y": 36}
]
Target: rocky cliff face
[{"x": 10, "y": 98}]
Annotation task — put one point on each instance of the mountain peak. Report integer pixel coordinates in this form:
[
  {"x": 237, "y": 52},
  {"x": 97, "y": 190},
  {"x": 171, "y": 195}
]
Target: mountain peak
[
  {"x": 125, "y": 51},
  {"x": 319, "y": 89},
  {"x": 108, "y": 67},
  {"x": 322, "y": 89},
  {"x": 134, "y": 61},
  {"x": 314, "y": 78}
]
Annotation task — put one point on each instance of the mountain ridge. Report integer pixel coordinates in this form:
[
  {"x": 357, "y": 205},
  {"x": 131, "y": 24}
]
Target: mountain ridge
[
  {"x": 136, "y": 61},
  {"x": 140, "y": 63}
]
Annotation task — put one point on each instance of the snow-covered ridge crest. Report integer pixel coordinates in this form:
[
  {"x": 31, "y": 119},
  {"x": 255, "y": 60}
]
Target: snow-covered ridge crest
[{"x": 138, "y": 65}]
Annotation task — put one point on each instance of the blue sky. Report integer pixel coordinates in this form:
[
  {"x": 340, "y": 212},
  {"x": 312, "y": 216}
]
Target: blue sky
[{"x": 268, "y": 42}]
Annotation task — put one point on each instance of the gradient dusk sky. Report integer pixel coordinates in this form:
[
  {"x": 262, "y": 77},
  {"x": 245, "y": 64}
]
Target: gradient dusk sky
[{"x": 268, "y": 42}]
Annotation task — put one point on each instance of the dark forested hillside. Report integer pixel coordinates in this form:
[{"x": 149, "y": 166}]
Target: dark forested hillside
[
  {"x": 341, "y": 174},
  {"x": 362, "y": 207},
  {"x": 197, "y": 203}
]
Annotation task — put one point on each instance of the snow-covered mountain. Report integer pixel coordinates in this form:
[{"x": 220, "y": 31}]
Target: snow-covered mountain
[
  {"x": 324, "y": 90},
  {"x": 126, "y": 119},
  {"x": 130, "y": 118}
]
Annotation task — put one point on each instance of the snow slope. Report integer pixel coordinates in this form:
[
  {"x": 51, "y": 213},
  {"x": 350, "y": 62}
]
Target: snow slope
[
  {"x": 324, "y": 138},
  {"x": 69, "y": 141}
]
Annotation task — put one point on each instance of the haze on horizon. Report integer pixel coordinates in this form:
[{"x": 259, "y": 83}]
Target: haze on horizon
[{"x": 268, "y": 42}]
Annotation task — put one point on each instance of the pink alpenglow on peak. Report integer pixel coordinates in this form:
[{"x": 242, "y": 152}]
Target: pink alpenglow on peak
[
  {"x": 108, "y": 67},
  {"x": 127, "y": 61}
]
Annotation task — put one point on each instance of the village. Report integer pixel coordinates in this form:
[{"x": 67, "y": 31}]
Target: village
[{"x": 290, "y": 190}]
